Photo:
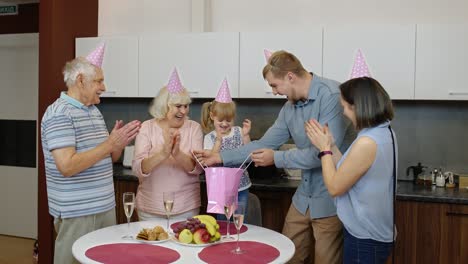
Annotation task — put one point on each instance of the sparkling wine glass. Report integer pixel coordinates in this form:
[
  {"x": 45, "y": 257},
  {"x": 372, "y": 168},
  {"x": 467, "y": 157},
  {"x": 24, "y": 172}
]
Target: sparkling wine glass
[
  {"x": 238, "y": 222},
  {"x": 168, "y": 198},
  {"x": 229, "y": 205},
  {"x": 129, "y": 205}
]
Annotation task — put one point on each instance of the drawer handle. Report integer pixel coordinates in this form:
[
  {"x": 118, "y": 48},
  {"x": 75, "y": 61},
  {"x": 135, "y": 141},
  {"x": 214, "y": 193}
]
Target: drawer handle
[
  {"x": 458, "y": 93},
  {"x": 456, "y": 214}
]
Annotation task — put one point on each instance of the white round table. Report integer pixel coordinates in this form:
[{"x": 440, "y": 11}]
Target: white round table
[{"x": 188, "y": 254}]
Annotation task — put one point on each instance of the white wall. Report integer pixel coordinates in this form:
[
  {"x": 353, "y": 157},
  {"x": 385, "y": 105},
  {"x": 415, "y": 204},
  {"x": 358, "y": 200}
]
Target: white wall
[
  {"x": 143, "y": 16},
  {"x": 19, "y": 55}
]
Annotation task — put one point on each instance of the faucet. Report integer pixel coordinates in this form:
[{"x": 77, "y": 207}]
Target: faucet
[{"x": 416, "y": 171}]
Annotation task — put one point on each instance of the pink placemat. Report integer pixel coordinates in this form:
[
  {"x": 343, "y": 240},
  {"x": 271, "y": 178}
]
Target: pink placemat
[
  {"x": 132, "y": 253},
  {"x": 222, "y": 227},
  {"x": 254, "y": 253}
]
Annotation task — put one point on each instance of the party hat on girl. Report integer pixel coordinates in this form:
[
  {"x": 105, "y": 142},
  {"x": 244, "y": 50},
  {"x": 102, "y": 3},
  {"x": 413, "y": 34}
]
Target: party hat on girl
[
  {"x": 224, "y": 96},
  {"x": 267, "y": 54},
  {"x": 96, "y": 56},
  {"x": 174, "y": 85},
  {"x": 360, "y": 68}
]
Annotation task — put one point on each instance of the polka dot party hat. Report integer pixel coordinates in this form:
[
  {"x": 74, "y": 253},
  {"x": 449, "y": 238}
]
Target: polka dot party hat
[
  {"x": 96, "y": 56},
  {"x": 267, "y": 54},
  {"x": 174, "y": 85},
  {"x": 360, "y": 68},
  {"x": 224, "y": 96}
]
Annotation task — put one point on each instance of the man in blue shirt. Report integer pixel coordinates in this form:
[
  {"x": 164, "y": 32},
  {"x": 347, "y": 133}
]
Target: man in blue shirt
[{"x": 312, "y": 214}]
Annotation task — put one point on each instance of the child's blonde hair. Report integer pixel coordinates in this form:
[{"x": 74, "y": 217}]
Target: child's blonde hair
[{"x": 222, "y": 111}]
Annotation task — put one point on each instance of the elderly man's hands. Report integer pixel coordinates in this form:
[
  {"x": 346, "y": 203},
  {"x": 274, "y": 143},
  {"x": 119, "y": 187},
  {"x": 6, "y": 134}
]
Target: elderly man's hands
[{"x": 122, "y": 135}]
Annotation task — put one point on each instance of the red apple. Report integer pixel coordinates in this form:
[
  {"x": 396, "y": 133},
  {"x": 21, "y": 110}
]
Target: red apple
[{"x": 201, "y": 236}]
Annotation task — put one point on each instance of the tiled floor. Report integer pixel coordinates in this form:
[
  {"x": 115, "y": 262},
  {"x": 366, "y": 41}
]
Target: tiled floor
[{"x": 15, "y": 250}]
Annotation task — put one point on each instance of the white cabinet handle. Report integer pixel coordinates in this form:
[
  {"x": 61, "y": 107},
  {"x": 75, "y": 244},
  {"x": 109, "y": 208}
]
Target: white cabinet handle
[
  {"x": 193, "y": 92},
  {"x": 109, "y": 93},
  {"x": 458, "y": 93}
]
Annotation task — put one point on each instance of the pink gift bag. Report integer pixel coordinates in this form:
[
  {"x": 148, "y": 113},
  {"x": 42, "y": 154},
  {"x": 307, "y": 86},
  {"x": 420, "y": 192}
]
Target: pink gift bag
[{"x": 219, "y": 182}]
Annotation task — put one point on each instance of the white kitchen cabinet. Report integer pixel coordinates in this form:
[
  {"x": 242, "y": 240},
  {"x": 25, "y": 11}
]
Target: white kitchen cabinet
[
  {"x": 203, "y": 60},
  {"x": 306, "y": 45},
  {"x": 441, "y": 62},
  {"x": 389, "y": 51},
  {"x": 120, "y": 64}
]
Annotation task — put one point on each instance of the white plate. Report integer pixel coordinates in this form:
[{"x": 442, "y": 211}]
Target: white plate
[
  {"x": 175, "y": 240},
  {"x": 151, "y": 241}
]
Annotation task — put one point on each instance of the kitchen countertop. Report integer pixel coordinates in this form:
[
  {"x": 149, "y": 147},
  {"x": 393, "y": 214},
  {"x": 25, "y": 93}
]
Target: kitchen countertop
[{"x": 406, "y": 191}]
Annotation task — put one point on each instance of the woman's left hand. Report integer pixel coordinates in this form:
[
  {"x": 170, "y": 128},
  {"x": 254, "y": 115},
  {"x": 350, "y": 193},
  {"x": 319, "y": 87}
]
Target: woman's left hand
[
  {"x": 246, "y": 126},
  {"x": 319, "y": 135},
  {"x": 176, "y": 143}
]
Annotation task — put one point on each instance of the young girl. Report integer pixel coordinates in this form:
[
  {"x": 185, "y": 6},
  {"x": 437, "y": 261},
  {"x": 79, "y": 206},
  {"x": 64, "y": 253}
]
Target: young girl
[{"x": 217, "y": 120}]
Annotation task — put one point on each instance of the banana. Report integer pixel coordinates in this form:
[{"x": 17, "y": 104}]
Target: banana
[
  {"x": 209, "y": 227},
  {"x": 208, "y": 218}
]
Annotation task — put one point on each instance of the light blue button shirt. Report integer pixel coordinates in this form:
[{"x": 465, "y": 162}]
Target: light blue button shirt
[
  {"x": 323, "y": 104},
  {"x": 366, "y": 209}
]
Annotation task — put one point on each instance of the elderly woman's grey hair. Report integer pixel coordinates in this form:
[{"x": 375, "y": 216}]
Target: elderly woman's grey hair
[
  {"x": 76, "y": 67},
  {"x": 160, "y": 104}
]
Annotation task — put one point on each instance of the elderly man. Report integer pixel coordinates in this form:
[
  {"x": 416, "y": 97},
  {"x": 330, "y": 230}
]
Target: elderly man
[
  {"x": 312, "y": 214},
  {"x": 78, "y": 154}
]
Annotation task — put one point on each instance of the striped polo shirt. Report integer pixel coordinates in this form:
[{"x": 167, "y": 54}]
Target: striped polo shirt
[{"x": 69, "y": 123}]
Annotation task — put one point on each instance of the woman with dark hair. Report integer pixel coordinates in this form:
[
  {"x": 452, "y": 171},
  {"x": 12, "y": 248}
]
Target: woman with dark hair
[{"x": 362, "y": 180}]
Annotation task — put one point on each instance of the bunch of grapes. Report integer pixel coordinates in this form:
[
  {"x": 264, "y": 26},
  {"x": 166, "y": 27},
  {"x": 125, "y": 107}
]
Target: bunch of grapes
[{"x": 191, "y": 224}]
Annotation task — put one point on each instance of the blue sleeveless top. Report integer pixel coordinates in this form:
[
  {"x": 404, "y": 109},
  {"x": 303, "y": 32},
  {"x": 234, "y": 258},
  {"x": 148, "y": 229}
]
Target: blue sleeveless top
[{"x": 366, "y": 210}]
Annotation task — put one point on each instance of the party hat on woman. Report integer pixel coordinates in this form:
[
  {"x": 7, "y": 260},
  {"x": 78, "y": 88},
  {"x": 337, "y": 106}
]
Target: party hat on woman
[
  {"x": 174, "y": 85},
  {"x": 360, "y": 68},
  {"x": 224, "y": 96},
  {"x": 96, "y": 56}
]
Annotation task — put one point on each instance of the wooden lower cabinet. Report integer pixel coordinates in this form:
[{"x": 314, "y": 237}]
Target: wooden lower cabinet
[
  {"x": 431, "y": 233},
  {"x": 121, "y": 186}
]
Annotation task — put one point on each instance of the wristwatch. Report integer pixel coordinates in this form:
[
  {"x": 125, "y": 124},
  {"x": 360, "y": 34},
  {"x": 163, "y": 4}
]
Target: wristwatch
[{"x": 323, "y": 153}]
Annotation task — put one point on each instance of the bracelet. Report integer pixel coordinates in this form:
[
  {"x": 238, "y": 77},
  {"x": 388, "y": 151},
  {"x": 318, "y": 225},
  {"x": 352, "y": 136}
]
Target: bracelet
[{"x": 323, "y": 153}]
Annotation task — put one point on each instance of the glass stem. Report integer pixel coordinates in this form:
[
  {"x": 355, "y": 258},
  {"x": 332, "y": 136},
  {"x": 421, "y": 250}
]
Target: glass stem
[
  {"x": 237, "y": 247},
  {"x": 167, "y": 226},
  {"x": 227, "y": 228},
  {"x": 128, "y": 225}
]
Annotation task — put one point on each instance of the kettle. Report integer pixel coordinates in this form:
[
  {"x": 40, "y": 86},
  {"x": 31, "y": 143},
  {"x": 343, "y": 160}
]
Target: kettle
[{"x": 416, "y": 171}]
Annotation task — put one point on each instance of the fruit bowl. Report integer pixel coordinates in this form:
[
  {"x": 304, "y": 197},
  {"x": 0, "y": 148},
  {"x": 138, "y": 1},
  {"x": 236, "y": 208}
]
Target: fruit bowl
[{"x": 200, "y": 230}]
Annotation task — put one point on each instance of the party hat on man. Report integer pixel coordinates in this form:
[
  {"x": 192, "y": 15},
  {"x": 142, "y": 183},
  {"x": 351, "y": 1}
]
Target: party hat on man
[
  {"x": 267, "y": 54},
  {"x": 96, "y": 56},
  {"x": 174, "y": 85},
  {"x": 224, "y": 96},
  {"x": 360, "y": 68}
]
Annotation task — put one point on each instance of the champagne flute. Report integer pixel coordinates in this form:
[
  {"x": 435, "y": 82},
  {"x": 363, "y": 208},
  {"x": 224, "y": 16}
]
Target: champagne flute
[
  {"x": 229, "y": 205},
  {"x": 238, "y": 222},
  {"x": 168, "y": 198},
  {"x": 129, "y": 205}
]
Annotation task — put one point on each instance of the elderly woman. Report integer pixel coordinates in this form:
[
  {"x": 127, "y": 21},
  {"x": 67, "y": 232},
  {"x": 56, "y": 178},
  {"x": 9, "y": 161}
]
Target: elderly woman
[
  {"x": 363, "y": 178},
  {"x": 163, "y": 160}
]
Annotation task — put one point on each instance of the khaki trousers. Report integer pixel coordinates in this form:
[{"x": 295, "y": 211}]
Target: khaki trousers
[
  {"x": 327, "y": 232},
  {"x": 70, "y": 229}
]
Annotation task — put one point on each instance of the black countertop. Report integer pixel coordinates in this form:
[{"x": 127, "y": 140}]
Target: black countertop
[{"x": 406, "y": 191}]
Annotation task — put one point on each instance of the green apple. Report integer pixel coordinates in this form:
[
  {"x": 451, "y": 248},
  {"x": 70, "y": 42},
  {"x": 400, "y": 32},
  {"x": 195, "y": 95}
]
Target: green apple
[{"x": 185, "y": 236}]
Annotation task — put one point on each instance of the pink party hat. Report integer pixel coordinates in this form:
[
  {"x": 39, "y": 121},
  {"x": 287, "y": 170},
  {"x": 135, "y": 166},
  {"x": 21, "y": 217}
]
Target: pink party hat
[
  {"x": 267, "y": 54},
  {"x": 224, "y": 96},
  {"x": 97, "y": 55},
  {"x": 174, "y": 85},
  {"x": 360, "y": 68}
]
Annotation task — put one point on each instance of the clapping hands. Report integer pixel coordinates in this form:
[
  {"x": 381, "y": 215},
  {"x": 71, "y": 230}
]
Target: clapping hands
[{"x": 320, "y": 136}]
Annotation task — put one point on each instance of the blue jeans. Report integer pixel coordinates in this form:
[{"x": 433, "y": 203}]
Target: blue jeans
[
  {"x": 242, "y": 197},
  {"x": 367, "y": 251}
]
